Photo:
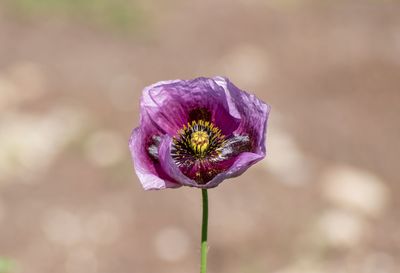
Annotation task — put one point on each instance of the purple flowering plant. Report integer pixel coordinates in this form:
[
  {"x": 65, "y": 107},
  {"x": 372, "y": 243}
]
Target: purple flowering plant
[{"x": 197, "y": 133}]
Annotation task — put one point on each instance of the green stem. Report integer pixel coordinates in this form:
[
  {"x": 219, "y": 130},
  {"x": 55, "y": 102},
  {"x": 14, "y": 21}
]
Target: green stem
[{"x": 203, "y": 266}]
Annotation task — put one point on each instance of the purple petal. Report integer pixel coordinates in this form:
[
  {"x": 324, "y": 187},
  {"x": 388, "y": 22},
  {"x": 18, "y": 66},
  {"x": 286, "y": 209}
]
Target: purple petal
[
  {"x": 241, "y": 164},
  {"x": 252, "y": 111},
  {"x": 147, "y": 169},
  {"x": 170, "y": 104}
]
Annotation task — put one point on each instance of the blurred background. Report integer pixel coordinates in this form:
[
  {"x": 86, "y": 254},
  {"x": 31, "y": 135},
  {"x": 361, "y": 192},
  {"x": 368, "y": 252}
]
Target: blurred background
[{"x": 326, "y": 199}]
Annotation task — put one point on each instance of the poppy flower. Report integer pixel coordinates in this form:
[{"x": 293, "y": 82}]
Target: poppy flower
[{"x": 197, "y": 133}]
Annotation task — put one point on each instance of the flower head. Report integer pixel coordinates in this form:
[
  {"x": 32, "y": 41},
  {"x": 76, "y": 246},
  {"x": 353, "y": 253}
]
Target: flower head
[{"x": 197, "y": 133}]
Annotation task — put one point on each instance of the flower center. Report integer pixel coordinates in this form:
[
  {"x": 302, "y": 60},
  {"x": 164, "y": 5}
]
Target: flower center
[{"x": 196, "y": 140}]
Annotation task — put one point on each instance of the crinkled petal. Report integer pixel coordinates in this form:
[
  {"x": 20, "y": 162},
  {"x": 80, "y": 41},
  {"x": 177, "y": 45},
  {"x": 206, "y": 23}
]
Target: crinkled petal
[
  {"x": 170, "y": 103},
  {"x": 252, "y": 111},
  {"x": 241, "y": 164},
  {"x": 149, "y": 172}
]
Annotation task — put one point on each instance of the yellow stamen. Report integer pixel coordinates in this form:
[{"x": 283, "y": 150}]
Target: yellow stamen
[{"x": 199, "y": 141}]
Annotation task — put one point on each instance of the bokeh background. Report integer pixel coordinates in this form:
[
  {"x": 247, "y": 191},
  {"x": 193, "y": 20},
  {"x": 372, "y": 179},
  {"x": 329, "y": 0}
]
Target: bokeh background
[{"x": 326, "y": 199}]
